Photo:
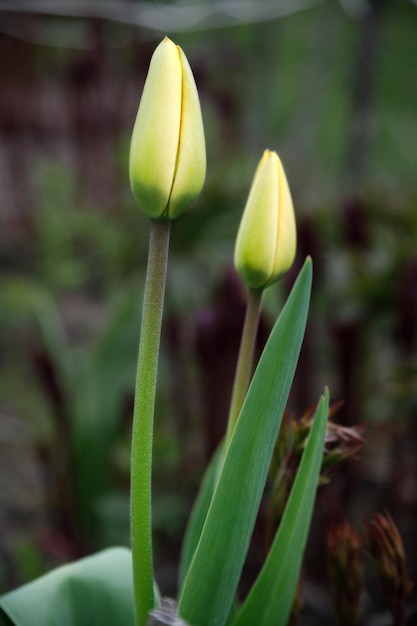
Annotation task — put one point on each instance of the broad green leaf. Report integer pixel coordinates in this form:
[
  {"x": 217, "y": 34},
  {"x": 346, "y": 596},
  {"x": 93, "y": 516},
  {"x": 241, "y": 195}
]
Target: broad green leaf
[
  {"x": 95, "y": 591},
  {"x": 271, "y": 597},
  {"x": 215, "y": 570}
]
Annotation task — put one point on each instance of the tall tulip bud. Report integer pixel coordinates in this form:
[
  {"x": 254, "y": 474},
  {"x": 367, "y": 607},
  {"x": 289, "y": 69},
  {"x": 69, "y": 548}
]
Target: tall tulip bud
[
  {"x": 167, "y": 154},
  {"x": 266, "y": 241}
]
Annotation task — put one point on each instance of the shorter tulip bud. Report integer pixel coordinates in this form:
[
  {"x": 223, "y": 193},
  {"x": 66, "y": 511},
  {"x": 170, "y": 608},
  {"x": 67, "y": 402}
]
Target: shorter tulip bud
[
  {"x": 167, "y": 154},
  {"x": 266, "y": 241}
]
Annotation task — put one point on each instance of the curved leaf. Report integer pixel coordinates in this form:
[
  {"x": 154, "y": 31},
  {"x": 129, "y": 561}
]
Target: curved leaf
[
  {"x": 214, "y": 573},
  {"x": 270, "y": 599},
  {"x": 95, "y": 591},
  {"x": 199, "y": 513}
]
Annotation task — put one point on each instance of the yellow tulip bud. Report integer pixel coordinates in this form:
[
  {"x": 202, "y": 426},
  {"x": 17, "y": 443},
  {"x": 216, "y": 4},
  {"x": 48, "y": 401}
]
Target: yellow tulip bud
[
  {"x": 167, "y": 154},
  {"x": 266, "y": 241}
]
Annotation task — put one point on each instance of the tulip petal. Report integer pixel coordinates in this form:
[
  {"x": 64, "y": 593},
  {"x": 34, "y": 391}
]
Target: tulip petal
[
  {"x": 155, "y": 139},
  {"x": 286, "y": 240},
  {"x": 191, "y": 160},
  {"x": 256, "y": 240}
]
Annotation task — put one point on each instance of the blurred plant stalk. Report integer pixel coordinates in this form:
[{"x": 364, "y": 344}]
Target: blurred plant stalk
[
  {"x": 341, "y": 443},
  {"x": 384, "y": 546},
  {"x": 344, "y": 550}
]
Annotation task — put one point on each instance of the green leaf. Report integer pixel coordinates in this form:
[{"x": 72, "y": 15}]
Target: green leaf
[
  {"x": 199, "y": 514},
  {"x": 95, "y": 591},
  {"x": 270, "y": 599},
  {"x": 214, "y": 572}
]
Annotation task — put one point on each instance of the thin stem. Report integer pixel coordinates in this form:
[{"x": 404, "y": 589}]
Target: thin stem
[
  {"x": 143, "y": 414},
  {"x": 245, "y": 359}
]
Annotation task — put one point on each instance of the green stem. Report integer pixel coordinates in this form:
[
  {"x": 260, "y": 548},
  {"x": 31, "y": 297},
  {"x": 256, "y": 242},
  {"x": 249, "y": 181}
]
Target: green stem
[
  {"x": 245, "y": 359},
  {"x": 143, "y": 414}
]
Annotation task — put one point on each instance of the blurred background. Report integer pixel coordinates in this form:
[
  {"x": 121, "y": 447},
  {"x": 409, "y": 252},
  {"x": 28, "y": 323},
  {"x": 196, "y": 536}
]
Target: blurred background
[{"x": 332, "y": 86}]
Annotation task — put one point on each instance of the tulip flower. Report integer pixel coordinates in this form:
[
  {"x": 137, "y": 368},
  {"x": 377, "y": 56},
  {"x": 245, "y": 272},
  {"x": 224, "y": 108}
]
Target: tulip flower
[
  {"x": 266, "y": 241},
  {"x": 167, "y": 154}
]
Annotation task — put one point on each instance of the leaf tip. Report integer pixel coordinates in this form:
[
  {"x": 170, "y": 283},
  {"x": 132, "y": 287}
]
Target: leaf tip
[{"x": 308, "y": 265}]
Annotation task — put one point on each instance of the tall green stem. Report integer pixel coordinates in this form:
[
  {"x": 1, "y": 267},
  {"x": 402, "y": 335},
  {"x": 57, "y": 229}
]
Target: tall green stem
[
  {"x": 143, "y": 415},
  {"x": 245, "y": 359}
]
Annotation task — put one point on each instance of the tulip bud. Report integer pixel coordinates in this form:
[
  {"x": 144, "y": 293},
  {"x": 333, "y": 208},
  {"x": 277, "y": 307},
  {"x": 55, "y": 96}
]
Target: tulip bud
[
  {"x": 167, "y": 154},
  {"x": 266, "y": 241}
]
